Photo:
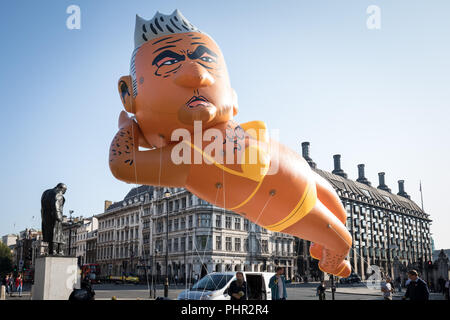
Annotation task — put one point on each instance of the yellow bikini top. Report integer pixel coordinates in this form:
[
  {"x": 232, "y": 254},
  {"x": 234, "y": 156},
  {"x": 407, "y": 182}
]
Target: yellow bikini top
[{"x": 256, "y": 158}]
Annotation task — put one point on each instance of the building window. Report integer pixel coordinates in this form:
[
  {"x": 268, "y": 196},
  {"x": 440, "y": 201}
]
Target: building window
[
  {"x": 204, "y": 220},
  {"x": 228, "y": 222},
  {"x": 183, "y": 223},
  {"x": 159, "y": 227},
  {"x": 246, "y": 224},
  {"x": 218, "y": 242},
  {"x": 202, "y": 242},
  {"x": 183, "y": 243},
  {"x": 175, "y": 224},
  {"x": 237, "y": 244},
  {"x": 246, "y": 244},
  {"x": 228, "y": 244},
  {"x": 265, "y": 246},
  {"x": 190, "y": 243},
  {"x": 218, "y": 221},
  {"x": 237, "y": 223},
  {"x": 190, "y": 222},
  {"x": 175, "y": 244}
]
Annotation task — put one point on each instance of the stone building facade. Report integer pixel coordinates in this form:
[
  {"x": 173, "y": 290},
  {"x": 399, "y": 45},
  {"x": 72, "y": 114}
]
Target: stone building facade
[
  {"x": 202, "y": 237},
  {"x": 389, "y": 230}
]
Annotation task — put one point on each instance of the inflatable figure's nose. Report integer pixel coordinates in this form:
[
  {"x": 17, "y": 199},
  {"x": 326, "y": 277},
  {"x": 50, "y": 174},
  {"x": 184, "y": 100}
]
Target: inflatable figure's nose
[{"x": 193, "y": 75}]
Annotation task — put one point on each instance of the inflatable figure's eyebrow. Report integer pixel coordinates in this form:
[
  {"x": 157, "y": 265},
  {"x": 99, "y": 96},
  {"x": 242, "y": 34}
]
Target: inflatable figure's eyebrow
[
  {"x": 168, "y": 54},
  {"x": 162, "y": 48},
  {"x": 200, "y": 51}
]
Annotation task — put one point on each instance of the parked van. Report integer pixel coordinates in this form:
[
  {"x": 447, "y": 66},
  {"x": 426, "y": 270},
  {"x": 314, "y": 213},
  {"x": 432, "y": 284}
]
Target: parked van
[{"x": 214, "y": 286}]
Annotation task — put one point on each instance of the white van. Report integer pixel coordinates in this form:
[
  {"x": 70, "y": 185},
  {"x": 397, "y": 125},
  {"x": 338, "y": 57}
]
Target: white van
[{"x": 214, "y": 286}]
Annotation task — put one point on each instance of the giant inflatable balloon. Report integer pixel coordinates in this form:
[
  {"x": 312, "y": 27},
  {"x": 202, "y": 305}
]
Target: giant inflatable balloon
[{"x": 182, "y": 134}]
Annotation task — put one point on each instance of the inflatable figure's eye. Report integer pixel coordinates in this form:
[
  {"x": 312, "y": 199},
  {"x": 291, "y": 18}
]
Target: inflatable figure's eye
[
  {"x": 167, "y": 58},
  {"x": 207, "y": 58},
  {"x": 167, "y": 62}
]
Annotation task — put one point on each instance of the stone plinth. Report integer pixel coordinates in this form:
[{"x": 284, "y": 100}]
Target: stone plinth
[{"x": 55, "y": 278}]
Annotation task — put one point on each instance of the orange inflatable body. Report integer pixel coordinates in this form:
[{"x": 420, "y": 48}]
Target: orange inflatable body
[{"x": 180, "y": 94}]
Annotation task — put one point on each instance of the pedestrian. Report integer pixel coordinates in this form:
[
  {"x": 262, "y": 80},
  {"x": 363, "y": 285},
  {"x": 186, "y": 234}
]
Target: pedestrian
[
  {"x": 19, "y": 285},
  {"x": 5, "y": 282},
  {"x": 176, "y": 279},
  {"x": 399, "y": 284},
  {"x": 388, "y": 289},
  {"x": 321, "y": 291},
  {"x": 417, "y": 289},
  {"x": 11, "y": 284},
  {"x": 278, "y": 285},
  {"x": 238, "y": 288}
]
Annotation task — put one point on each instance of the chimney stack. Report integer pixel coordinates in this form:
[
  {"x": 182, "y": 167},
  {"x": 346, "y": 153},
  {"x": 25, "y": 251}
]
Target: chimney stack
[
  {"x": 382, "y": 184},
  {"x": 305, "y": 154},
  {"x": 107, "y": 204},
  {"x": 401, "y": 189},
  {"x": 361, "y": 177},
  {"x": 337, "y": 166}
]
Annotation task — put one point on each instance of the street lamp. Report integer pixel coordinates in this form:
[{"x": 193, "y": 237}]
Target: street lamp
[
  {"x": 70, "y": 231},
  {"x": 155, "y": 268},
  {"x": 166, "y": 283},
  {"x": 386, "y": 218},
  {"x": 185, "y": 266}
]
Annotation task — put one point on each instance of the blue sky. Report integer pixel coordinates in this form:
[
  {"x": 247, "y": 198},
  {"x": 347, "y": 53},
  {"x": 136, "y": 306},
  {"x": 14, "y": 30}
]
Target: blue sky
[{"x": 309, "y": 68}]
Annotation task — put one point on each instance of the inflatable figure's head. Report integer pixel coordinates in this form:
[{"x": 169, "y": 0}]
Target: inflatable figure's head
[{"x": 177, "y": 76}]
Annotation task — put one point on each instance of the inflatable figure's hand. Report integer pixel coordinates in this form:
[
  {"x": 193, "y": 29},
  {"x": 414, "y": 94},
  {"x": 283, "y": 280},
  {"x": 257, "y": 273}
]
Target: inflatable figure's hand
[
  {"x": 129, "y": 124},
  {"x": 123, "y": 149}
]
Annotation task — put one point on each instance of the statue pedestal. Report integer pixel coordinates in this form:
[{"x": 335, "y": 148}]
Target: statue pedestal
[{"x": 55, "y": 278}]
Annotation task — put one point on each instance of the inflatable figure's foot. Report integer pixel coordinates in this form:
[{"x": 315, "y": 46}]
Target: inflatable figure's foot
[
  {"x": 316, "y": 250},
  {"x": 335, "y": 264}
]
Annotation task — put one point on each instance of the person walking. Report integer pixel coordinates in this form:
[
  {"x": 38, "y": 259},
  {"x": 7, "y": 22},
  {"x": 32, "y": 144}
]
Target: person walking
[
  {"x": 388, "y": 289},
  {"x": 11, "y": 284},
  {"x": 321, "y": 291},
  {"x": 19, "y": 285},
  {"x": 5, "y": 282},
  {"x": 238, "y": 288},
  {"x": 399, "y": 284},
  {"x": 417, "y": 289},
  {"x": 278, "y": 285}
]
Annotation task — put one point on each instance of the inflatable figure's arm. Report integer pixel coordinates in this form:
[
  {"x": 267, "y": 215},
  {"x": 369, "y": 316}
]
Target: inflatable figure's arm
[{"x": 151, "y": 167}]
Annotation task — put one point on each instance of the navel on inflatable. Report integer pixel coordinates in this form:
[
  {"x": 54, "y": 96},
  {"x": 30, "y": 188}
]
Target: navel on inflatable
[{"x": 182, "y": 134}]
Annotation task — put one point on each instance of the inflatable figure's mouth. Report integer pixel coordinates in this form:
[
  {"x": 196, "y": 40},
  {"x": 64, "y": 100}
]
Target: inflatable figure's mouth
[
  {"x": 197, "y": 101},
  {"x": 198, "y": 109}
]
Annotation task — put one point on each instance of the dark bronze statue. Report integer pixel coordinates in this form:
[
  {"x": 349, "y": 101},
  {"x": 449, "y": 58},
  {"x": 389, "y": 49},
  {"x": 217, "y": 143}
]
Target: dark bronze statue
[{"x": 52, "y": 203}]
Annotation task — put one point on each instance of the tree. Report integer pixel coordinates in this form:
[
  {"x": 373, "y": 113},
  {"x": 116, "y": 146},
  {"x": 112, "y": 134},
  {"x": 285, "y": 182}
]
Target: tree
[{"x": 6, "y": 259}]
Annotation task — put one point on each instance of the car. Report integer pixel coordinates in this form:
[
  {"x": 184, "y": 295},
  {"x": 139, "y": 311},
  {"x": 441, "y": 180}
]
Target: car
[
  {"x": 213, "y": 286},
  {"x": 352, "y": 278}
]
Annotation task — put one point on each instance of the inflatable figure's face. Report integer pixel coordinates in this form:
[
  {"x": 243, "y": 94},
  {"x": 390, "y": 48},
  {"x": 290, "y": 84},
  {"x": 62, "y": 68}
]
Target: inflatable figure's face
[{"x": 180, "y": 78}]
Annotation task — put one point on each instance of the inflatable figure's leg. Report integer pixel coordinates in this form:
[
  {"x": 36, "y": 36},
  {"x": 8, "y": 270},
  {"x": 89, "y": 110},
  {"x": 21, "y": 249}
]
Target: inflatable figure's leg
[
  {"x": 323, "y": 228},
  {"x": 328, "y": 196}
]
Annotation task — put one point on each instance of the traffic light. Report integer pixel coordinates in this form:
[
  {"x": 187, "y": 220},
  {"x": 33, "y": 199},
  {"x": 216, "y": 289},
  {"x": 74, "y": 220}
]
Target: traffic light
[{"x": 430, "y": 264}]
